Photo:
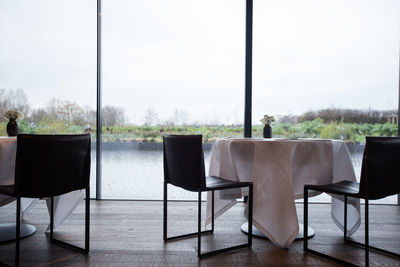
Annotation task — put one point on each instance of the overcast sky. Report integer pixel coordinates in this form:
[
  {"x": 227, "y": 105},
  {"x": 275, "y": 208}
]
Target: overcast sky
[{"x": 189, "y": 55}]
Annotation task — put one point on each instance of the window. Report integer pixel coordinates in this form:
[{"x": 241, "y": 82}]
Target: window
[
  {"x": 48, "y": 66},
  {"x": 327, "y": 69},
  {"x": 172, "y": 66}
]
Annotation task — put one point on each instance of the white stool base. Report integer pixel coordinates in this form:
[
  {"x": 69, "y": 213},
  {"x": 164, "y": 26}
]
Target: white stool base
[{"x": 7, "y": 231}]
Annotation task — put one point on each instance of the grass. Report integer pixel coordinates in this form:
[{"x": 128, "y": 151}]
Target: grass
[{"x": 351, "y": 132}]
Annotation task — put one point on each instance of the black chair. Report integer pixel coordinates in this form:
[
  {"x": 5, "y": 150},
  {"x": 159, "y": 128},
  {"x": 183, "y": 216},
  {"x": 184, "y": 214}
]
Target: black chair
[
  {"x": 48, "y": 166},
  {"x": 380, "y": 177},
  {"x": 184, "y": 167}
]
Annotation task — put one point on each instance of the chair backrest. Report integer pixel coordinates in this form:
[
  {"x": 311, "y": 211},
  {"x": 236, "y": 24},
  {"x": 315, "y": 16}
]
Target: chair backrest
[
  {"x": 184, "y": 161},
  {"x": 51, "y": 165},
  {"x": 380, "y": 171}
]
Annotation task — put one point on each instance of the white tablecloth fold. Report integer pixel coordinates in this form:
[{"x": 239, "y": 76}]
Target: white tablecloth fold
[{"x": 279, "y": 169}]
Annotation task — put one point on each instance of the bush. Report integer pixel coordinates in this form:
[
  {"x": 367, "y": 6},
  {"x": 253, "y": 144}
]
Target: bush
[{"x": 354, "y": 132}]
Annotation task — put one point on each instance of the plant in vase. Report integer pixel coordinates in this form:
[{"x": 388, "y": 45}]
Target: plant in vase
[
  {"x": 267, "y": 130},
  {"x": 12, "y": 125}
]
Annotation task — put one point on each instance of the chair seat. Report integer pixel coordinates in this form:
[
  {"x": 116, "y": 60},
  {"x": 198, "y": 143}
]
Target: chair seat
[
  {"x": 341, "y": 188},
  {"x": 7, "y": 189},
  {"x": 216, "y": 183}
]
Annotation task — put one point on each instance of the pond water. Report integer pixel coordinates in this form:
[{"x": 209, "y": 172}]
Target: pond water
[{"x": 137, "y": 173}]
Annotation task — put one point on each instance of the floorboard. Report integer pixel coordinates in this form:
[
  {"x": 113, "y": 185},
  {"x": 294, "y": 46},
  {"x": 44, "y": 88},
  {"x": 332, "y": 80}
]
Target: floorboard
[{"x": 129, "y": 233}]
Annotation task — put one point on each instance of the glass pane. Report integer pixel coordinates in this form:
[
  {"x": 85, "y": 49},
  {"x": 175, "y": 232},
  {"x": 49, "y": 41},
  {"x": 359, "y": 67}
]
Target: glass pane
[
  {"x": 48, "y": 66},
  {"x": 174, "y": 66},
  {"x": 327, "y": 69}
]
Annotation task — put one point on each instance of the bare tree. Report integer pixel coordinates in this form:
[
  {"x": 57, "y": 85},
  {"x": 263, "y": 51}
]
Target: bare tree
[
  {"x": 113, "y": 116},
  {"x": 67, "y": 111},
  {"x": 57, "y": 109},
  {"x": 70, "y": 112},
  {"x": 38, "y": 115},
  {"x": 19, "y": 100},
  {"x": 14, "y": 99},
  {"x": 3, "y": 101},
  {"x": 150, "y": 117},
  {"x": 89, "y": 115},
  {"x": 180, "y": 117},
  {"x": 53, "y": 108},
  {"x": 290, "y": 119}
]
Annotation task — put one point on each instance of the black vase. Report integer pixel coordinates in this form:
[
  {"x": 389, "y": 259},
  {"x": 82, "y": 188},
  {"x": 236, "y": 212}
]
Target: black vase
[
  {"x": 12, "y": 128},
  {"x": 267, "y": 131}
]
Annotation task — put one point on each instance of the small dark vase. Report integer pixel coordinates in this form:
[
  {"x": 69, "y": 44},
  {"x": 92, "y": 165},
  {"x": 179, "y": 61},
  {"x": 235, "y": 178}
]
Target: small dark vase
[
  {"x": 267, "y": 131},
  {"x": 12, "y": 128}
]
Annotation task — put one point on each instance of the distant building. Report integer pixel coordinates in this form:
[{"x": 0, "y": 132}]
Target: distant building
[{"x": 392, "y": 119}]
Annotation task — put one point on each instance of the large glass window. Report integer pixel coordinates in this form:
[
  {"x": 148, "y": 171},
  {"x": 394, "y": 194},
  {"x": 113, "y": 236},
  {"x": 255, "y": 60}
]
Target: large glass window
[
  {"x": 323, "y": 68},
  {"x": 169, "y": 66},
  {"x": 48, "y": 66},
  {"x": 327, "y": 69}
]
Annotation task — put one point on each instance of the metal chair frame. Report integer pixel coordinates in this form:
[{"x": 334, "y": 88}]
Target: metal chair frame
[
  {"x": 18, "y": 193},
  {"x": 379, "y": 178},
  {"x": 199, "y": 233},
  {"x": 365, "y": 245},
  {"x": 84, "y": 250}
]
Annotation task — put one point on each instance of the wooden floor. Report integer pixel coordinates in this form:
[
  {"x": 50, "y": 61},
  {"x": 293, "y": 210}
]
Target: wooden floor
[{"x": 129, "y": 233}]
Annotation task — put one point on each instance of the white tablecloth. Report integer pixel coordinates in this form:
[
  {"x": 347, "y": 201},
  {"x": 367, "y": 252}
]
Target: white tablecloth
[
  {"x": 279, "y": 168},
  {"x": 63, "y": 205}
]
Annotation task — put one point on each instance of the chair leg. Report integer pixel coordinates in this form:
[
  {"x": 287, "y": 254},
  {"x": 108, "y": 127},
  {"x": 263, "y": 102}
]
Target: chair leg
[
  {"x": 18, "y": 231},
  {"x": 219, "y": 251},
  {"x": 212, "y": 211},
  {"x": 305, "y": 240},
  {"x": 87, "y": 220},
  {"x": 165, "y": 222},
  {"x": 366, "y": 233},
  {"x": 165, "y": 213},
  {"x": 199, "y": 233},
  {"x": 51, "y": 217},
  {"x": 366, "y": 245},
  {"x": 65, "y": 244},
  {"x": 345, "y": 219},
  {"x": 199, "y": 226}
]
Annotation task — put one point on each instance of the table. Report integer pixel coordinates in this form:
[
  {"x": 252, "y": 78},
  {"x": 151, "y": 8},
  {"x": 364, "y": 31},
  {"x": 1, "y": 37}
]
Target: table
[
  {"x": 63, "y": 205},
  {"x": 279, "y": 168}
]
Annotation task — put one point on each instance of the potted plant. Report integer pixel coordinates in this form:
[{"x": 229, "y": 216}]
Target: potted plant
[
  {"x": 12, "y": 125},
  {"x": 267, "y": 130}
]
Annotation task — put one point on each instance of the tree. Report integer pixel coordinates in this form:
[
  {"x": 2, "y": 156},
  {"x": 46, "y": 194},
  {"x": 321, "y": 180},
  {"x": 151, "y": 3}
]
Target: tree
[
  {"x": 289, "y": 119},
  {"x": 53, "y": 109},
  {"x": 150, "y": 117},
  {"x": 89, "y": 116},
  {"x": 67, "y": 111},
  {"x": 14, "y": 99},
  {"x": 70, "y": 112},
  {"x": 38, "y": 115},
  {"x": 348, "y": 115},
  {"x": 180, "y": 117},
  {"x": 112, "y": 116}
]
